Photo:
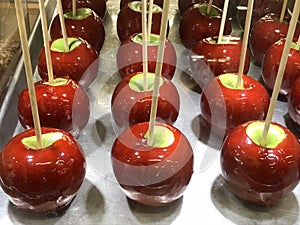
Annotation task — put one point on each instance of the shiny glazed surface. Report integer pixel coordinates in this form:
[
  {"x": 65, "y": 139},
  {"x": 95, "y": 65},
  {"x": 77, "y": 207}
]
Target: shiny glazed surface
[
  {"x": 42, "y": 180},
  {"x": 257, "y": 174},
  {"x": 183, "y": 5},
  {"x": 66, "y": 107},
  {"x": 99, "y": 6},
  {"x": 151, "y": 175},
  {"x": 294, "y": 103}
]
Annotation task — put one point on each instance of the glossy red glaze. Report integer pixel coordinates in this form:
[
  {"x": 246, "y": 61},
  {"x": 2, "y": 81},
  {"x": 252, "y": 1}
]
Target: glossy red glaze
[
  {"x": 129, "y": 22},
  {"x": 152, "y": 175},
  {"x": 271, "y": 63},
  {"x": 195, "y": 26},
  {"x": 80, "y": 64},
  {"x": 225, "y": 108},
  {"x": 129, "y": 107},
  {"x": 42, "y": 180},
  {"x": 212, "y": 59},
  {"x": 130, "y": 58},
  {"x": 183, "y": 5},
  {"x": 99, "y": 6},
  {"x": 294, "y": 103},
  {"x": 257, "y": 174},
  {"x": 65, "y": 107},
  {"x": 90, "y": 29},
  {"x": 156, "y": 2},
  {"x": 266, "y": 31}
]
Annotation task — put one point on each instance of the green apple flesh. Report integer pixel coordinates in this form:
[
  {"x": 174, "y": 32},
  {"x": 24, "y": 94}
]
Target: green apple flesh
[
  {"x": 136, "y": 83},
  {"x": 48, "y": 139},
  {"x": 59, "y": 44}
]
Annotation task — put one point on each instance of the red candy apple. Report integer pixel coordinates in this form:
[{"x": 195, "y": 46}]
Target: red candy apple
[
  {"x": 129, "y": 20},
  {"x": 210, "y": 58},
  {"x": 130, "y": 56},
  {"x": 156, "y": 2},
  {"x": 183, "y": 5},
  {"x": 98, "y": 6},
  {"x": 261, "y": 174},
  {"x": 294, "y": 103},
  {"x": 152, "y": 175},
  {"x": 63, "y": 104},
  {"x": 224, "y": 106},
  {"x": 196, "y": 24},
  {"x": 86, "y": 25},
  {"x": 80, "y": 63},
  {"x": 266, "y": 31},
  {"x": 271, "y": 63},
  {"x": 43, "y": 180},
  {"x": 131, "y": 104}
]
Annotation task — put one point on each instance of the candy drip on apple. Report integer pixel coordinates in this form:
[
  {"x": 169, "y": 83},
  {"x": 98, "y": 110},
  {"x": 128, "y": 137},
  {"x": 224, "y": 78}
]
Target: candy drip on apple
[
  {"x": 294, "y": 103},
  {"x": 261, "y": 174},
  {"x": 98, "y": 6},
  {"x": 129, "y": 20},
  {"x": 42, "y": 180},
  {"x": 210, "y": 58},
  {"x": 86, "y": 24},
  {"x": 63, "y": 104},
  {"x": 80, "y": 62},
  {"x": 183, "y": 5},
  {"x": 271, "y": 63},
  {"x": 131, "y": 103},
  {"x": 130, "y": 56},
  {"x": 156, "y": 2},
  {"x": 265, "y": 32},
  {"x": 196, "y": 24},
  {"x": 225, "y": 106},
  {"x": 152, "y": 175}
]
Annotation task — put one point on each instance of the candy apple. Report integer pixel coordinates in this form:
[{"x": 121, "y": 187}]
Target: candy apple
[
  {"x": 294, "y": 103},
  {"x": 183, "y": 5},
  {"x": 261, "y": 174},
  {"x": 86, "y": 24},
  {"x": 218, "y": 58},
  {"x": 130, "y": 56},
  {"x": 80, "y": 62},
  {"x": 42, "y": 180},
  {"x": 196, "y": 24},
  {"x": 129, "y": 20},
  {"x": 62, "y": 104},
  {"x": 260, "y": 9},
  {"x": 266, "y": 31},
  {"x": 271, "y": 63},
  {"x": 131, "y": 103},
  {"x": 98, "y": 6},
  {"x": 152, "y": 175},
  {"x": 156, "y": 2},
  {"x": 225, "y": 106}
]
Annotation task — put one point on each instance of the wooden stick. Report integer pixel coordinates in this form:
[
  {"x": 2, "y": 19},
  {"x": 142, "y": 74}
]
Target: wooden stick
[
  {"x": 245, "y": 43},
  {"x": 62, "y": 24},
  {"x": 74, "y": 8},
  {"x": 46, "y": 40},
  {"x": 209, "y": 6},
  {"x": 224, "y": 15},
  {"x": 283, "y": 10},
  {"x": 145, "y": 43},
  {"x": 280, "y": 73},
  {"x": 28, "y": 69},
  {"x": 150, "y": 15},
  {"x": 158, "y": 69},
  {"x": 298, "y": 43}
]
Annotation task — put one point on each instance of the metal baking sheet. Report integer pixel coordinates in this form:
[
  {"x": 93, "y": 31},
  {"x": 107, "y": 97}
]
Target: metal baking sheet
[{"x": 207, "y": 200}]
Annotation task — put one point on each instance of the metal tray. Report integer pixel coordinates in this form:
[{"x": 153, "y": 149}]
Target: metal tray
[{"x": 207, "y": 200}]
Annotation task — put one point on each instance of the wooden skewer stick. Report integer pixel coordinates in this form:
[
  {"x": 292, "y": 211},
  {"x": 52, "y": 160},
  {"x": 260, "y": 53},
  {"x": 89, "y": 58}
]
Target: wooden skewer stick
[
  {"x": 209, "y": 6},
  {"x": 28, "y": 69},
  {"x": 74, "y": 8},
  {"x": 280, "y": 73},
  {"x": 62, "y": 24},
  {"x": 46, "y": 40},
  {"x": 158, "y": 69},
  {"x": 224, "y": 15},
  {"x": 150, "y": 15},
  {"x": 282, "y": 14},
  {"x": 298, "y": 43},
  {"x": 145, "y": 43},
  {"x": 245, "y": 43}
]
